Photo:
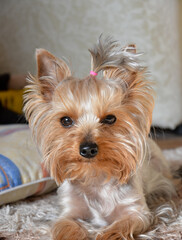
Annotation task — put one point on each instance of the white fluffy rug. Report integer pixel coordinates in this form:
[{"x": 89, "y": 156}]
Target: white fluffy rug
[{"x": 30, "y": 219}]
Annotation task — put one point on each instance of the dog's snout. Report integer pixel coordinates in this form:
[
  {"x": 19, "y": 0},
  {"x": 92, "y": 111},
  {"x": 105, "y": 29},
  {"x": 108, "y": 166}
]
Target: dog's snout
[{"x": 88, "y": 149}]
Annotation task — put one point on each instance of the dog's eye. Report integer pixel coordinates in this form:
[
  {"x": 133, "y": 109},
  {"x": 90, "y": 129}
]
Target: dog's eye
[
  {"x": 109, "y": 119},
  {"x": 66, "y": 121}
]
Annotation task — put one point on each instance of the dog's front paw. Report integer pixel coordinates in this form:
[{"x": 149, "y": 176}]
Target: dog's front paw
[
  {"x": 117, "y": 231},
  {"x": 66, "y": 229},
  {"x": 110, "y": 236},
  {"x": 113, "y": 236}
]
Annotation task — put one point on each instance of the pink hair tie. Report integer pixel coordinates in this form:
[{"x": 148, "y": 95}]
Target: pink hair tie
[{"x": 93, "y": 73}]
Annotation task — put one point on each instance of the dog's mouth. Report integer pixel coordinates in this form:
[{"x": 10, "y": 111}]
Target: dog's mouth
[{"x": 85, "y": 160}]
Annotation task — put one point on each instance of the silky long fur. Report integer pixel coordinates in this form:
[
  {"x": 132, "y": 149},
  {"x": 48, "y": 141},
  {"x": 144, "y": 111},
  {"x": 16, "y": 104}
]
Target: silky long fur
[
  {"x": 108, "y": 54},
  {"x": 104, "y": 197}
]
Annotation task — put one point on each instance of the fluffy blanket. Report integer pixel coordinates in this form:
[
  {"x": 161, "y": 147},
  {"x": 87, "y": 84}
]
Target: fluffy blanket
[{"x": 31, "y": 219}]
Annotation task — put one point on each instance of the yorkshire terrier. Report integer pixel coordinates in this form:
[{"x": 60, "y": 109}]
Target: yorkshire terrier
[{"x": 93, "y": 136}]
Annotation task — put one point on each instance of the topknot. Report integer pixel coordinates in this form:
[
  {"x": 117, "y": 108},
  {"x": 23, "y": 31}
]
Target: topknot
[{"x": 108, "y": 54}]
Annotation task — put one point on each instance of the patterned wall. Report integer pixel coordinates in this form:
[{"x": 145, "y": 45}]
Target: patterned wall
[{"x": 69, "y": 27}]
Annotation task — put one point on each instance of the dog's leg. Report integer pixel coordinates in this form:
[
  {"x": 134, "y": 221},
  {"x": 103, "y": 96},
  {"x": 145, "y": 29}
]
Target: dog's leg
[
  {"x": 130, "y": 218},
  {"x": 73, "y": 206},
  {"x": 125, "y": 229}
]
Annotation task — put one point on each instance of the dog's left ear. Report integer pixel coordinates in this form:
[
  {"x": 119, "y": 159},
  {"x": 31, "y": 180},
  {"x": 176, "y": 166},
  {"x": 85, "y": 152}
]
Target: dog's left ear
[{"x": 50, "y": 71}]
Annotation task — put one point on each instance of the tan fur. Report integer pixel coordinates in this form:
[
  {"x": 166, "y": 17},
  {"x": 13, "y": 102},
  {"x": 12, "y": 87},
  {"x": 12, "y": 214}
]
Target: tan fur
[
  {"x": 128, "y": 107},
  {"x": 67, "y": 229},
  {"x": 123, "y": 147},
  {"x": 125, "y": 229},
  {"x": 132, "y": 106}
]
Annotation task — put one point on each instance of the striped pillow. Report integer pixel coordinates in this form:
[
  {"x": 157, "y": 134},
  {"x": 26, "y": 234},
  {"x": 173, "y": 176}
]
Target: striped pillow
[{"x": 21, "y": 172}]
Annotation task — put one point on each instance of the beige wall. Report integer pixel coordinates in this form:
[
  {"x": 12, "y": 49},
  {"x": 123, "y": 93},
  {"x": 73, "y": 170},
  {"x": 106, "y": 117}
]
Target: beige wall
[
  {"x": 69, "y": 27},
  {"x": 180, "y": 28}
]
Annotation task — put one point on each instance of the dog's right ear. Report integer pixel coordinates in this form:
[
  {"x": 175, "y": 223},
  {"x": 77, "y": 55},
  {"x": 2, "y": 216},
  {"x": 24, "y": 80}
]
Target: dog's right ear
[{"x": 50, "y": 71}]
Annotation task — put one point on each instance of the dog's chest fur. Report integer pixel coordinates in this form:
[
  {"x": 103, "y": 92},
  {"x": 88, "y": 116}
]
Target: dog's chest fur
[{"x": 102, "y": 204}]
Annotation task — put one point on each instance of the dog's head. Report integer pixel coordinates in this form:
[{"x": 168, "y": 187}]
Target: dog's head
[{"x": 96, "y": 126}]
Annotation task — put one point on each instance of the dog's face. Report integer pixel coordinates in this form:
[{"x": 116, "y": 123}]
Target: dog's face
[{"x": 88, "y": 128}]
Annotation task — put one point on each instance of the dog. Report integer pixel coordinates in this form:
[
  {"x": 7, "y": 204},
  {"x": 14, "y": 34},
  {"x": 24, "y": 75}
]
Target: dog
[{"x": 93, "y": 134}]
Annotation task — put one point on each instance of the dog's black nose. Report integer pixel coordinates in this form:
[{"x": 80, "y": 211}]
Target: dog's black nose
[{"x": 88, "y": 149}]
